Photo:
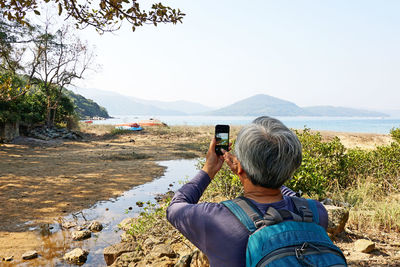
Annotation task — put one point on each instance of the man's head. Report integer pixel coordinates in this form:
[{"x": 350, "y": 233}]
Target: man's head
[{"x": 268, "y": 152}]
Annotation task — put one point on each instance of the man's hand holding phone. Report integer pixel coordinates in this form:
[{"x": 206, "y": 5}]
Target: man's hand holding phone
[{"x": 213, "y": 161}]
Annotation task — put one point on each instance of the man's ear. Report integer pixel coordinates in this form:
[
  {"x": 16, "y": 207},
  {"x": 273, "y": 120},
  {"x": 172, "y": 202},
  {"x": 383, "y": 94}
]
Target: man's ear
[{"x": 240, "y": 169}]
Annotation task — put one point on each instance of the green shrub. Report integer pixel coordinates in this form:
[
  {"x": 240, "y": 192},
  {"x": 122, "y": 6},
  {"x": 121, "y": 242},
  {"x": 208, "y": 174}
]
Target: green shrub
[
  {"x": 324, "y": 164},
  {"x": 395, "y": 134},
  {"x": 117, "y": 131}
]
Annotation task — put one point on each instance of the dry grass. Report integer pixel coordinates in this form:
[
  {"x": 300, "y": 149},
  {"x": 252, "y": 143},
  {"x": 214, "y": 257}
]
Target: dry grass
[{"x": 371, "y": 206}]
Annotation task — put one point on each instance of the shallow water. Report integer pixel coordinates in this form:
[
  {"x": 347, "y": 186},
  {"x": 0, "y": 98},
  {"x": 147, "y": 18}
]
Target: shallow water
[{"x": 56, "y": 242}]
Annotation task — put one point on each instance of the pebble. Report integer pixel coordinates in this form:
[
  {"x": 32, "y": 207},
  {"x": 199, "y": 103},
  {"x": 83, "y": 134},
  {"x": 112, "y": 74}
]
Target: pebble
[
  {"x": 77, "y": 256},
  {"x": 81, "y": 235},
  {"x": 30, "y": 255},
  {"x": 95, "y": 226},
  {"x": 68, "y": 225},
  {"x": 364, "y": 245}
]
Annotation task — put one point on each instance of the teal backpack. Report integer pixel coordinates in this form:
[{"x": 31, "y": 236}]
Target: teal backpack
[{"x": 284, "y": 238}]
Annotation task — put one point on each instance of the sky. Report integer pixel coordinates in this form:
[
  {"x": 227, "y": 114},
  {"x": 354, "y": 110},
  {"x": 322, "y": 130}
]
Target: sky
[{"x": 310, "y": 52}]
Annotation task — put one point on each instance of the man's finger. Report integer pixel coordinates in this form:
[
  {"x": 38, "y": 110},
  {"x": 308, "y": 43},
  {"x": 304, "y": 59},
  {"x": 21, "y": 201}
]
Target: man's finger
[{"x": 213, "y": 143}]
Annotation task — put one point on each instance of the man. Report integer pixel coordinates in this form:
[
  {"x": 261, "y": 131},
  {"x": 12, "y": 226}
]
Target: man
[{"x": 267, "y": 154}]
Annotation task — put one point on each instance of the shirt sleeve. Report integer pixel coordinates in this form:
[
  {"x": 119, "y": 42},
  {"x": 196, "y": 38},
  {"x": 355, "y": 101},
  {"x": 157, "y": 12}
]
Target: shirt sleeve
[
  {"x": 186, "y": 215},
  {"x": 323, "y": 215}
]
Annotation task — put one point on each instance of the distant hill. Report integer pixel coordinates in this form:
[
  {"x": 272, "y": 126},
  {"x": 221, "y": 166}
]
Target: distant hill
[
  {"x": 330, "y": 111},
  {"x": 86, "y": 107},
  {"x": 261, "y": 105},
  {"x": 256, "y": 105},
  {"x": 118, "y": 104},
  {"x": 267, "y": 105}
]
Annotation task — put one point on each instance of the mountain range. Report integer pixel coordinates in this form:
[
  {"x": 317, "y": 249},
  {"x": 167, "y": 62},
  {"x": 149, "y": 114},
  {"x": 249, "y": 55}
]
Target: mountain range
[{"x": 261, "y": 104}]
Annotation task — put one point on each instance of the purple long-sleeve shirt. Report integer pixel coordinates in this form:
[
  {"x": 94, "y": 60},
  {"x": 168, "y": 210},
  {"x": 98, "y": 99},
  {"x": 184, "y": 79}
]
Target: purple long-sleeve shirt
[{"x": 213, "y": 228}]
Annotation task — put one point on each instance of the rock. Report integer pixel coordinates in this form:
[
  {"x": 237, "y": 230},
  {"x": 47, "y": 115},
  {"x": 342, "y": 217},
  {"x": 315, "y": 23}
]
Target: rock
[
  {"x": 126, "y": 237},
  {"x": 162, "y": 251},
  {"x": 30, "y": 255},
  {"x": 77, "y": 256},
  {"x": 184, "y": 261},
  {"x": 129, "y": 259},
  {"x": 163, "y": 197},
  {"x": 149, "y": 242},
  {"x": 111, "y": 253},
  {"x": 327, "y": 201},
  {"x": 95, "y": 226},
  {"x": 126, "y": 224},
  {"x": 81, "y": 235},
  {"x": 338, "y": 217},
  {"x": 9, "y": 258},
  {"x": 364, "y": 245},
  {"x": 68, "y": 225},
  {"x": 199, "y": 259}
]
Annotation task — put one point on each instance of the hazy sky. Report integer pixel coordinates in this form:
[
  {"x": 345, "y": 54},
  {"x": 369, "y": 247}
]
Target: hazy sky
[{"x": 342, "y": 53}]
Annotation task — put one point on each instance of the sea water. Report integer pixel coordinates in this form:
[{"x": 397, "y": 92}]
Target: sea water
[{"x": 340, "y": 124}]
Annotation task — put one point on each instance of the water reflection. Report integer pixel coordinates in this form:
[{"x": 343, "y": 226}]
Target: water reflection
[{"x": 56, "y": 240}]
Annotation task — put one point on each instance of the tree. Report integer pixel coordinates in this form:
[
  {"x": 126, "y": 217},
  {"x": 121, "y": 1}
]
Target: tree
[
  {"x": 57, "y": 59},
  {"x": 104, "y": 15}
]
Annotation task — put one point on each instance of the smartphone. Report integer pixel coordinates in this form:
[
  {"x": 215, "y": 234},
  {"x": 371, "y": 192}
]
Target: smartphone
[{"x": 222, "y": 137}]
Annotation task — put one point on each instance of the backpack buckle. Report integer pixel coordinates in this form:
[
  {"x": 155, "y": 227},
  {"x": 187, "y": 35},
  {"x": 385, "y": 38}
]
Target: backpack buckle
[
  {"x": 300, "y": 251},
  {"x": 306, "y": 214},
  {"x": 259, "y": 223}
]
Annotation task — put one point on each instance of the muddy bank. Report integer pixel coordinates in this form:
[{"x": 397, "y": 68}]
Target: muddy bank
[{"x": 41, "y": 182}]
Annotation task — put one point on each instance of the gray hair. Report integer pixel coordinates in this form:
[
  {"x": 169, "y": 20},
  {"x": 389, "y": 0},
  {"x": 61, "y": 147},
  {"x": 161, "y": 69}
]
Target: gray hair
[{"x": 268, "y": 151}]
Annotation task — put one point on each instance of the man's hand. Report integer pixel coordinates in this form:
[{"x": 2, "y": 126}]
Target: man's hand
[
  {"x": 232, "y": 161},
  {"x": 213, "y": 161}
]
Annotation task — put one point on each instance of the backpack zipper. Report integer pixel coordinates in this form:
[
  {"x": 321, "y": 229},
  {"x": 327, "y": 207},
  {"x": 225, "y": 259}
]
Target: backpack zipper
[{"x": 294, "y": 251}]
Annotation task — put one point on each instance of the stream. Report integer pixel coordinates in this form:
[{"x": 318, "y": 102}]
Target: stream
[{"x": 57, "y": 241}]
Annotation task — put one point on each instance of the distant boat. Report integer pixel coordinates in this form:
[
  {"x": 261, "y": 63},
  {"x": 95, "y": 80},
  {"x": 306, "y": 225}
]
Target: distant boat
[
  {"x": 129, "y": 126},
  {"x": 152, "y": 122},
  {"x": 88, "y": 121}
]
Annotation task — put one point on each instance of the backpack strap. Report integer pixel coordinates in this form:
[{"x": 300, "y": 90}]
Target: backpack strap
[
  {"x": 306, "y": 208},
  {"x": 244, "y": 211},
  {"x": 251, "y": 217}
]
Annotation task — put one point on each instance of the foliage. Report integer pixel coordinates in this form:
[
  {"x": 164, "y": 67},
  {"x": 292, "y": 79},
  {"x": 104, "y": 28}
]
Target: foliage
[
  {"x": 86, "y": 107},
  {"x": 12, "y": 90},
  {"x": 118, "y": 131},
  {"x": 28, "y": 107},
  {"x": 395, "y": 133},
  {"x": 150, "y": 215},
  {"x": 327, "y": 166},
  {"x": 323, "y": 163},
  {"x": 104, "y": 15}
]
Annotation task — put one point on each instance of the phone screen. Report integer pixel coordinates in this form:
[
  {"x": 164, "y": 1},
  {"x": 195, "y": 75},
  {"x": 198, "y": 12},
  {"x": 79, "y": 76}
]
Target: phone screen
[{"x": 222, "y": 138}]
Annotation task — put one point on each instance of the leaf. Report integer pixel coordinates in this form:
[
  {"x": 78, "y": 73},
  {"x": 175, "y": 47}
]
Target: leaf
[{"x": 36, "y": 12}]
